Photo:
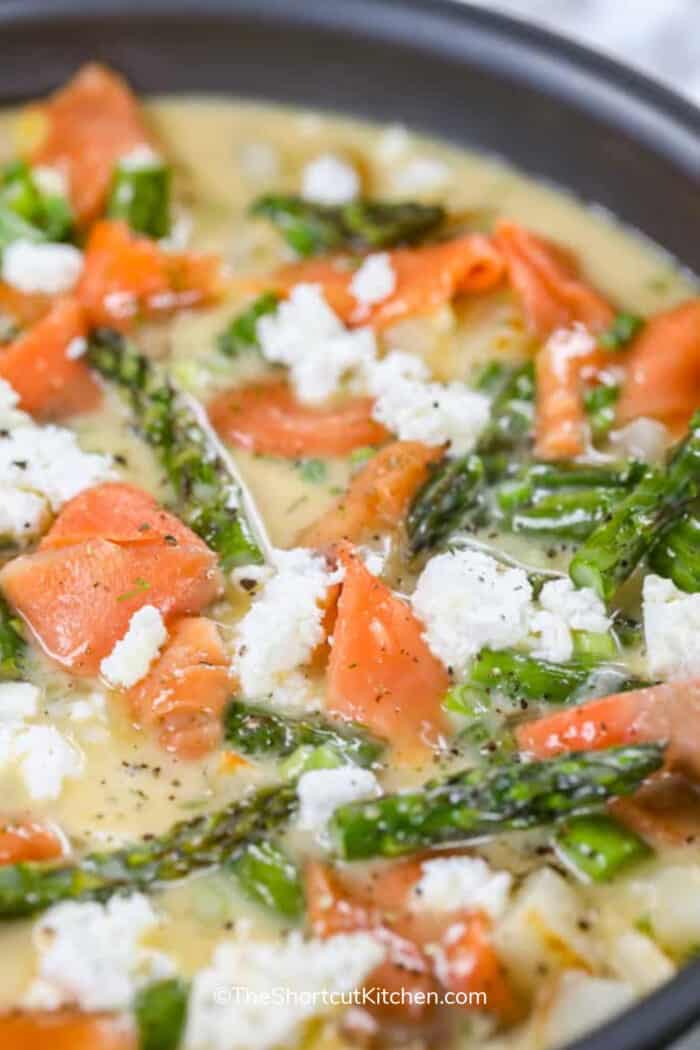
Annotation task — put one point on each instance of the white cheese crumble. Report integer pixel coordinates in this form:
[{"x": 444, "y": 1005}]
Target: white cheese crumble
[
  {"x": 420, "y": 175},
  {"x": 461, "y": 884},
  {"x": 418, "y": 410},
  {"x": 374, "y": 280},
  {"x": 306, "y": 335},
  {"x": 567, "y": 343},
  {"x": 467, "y": 600},
  {"x": 76, "y": 348},
  {"x": 133, "y": 654},
  {"x": 321, "y": 791},
  {"x": 671, "y": 629},
  {"x": 10, "y": 415},
  {"x": 23, "y": 515},
  {"x": 566, "y": 608},
  {"x": 231, "y": 1008},
  {"x": 644, "y": 439},
  {"x": 140, "y": 158},
  {"x": 92, "y": 954},
  {"x": 51, "y": 181},
  {"x": 284, "y": 624},
  {"x": 329, "y": 180},
  {"x": 50, "y": 268},
  {"x": 41, "y": 755},
  {"x": 18, "y": 700},
  {"x": 49, "y": 460}
]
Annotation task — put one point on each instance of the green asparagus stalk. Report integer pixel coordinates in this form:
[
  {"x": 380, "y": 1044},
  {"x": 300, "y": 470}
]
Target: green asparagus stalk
[
  {"x": 160, "y": 1012},
  {"x": 452, "y": 496},
  {"x": 27, "y": 212},
  {"x": 677, "y": 554},
  {"x": 241, "y": 333},
  {"x": 313, "y": 228},
  {"x": 268, "y": 876},
  {"x": 522, "y": 677},
  {"x": 444, "y": 501},
  {"x": 255, "y": 730},
  {"x": 140, "y": 195},
  {"x": 12, "y": 644},
  {"x": 614, "y": 549},
  {"x": 563, "y": 515},
  {"x": 599, "y": 402},
  {"x": 486, "y": 801},
  {"x": 547, "y": 477},
  {"x": 598, "y": 847},
  {"x": 206, "y": 841},
  {"x": 621, "y": 331},
  {"x": 206, "y": 496}
]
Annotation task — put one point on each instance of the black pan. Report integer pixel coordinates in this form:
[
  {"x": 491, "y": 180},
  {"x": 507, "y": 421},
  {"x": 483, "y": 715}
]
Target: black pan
[{"x": 480, "y": 79}]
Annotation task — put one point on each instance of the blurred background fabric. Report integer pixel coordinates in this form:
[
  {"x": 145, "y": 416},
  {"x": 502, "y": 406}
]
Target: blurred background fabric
[{"x": 660, "y": 37}]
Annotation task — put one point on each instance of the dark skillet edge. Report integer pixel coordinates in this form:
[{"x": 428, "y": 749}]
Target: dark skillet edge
[{"x": 651, "y": 122}]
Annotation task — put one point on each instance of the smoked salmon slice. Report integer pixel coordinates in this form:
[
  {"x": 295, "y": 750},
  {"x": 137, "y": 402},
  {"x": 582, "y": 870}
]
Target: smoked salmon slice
[
  {"x": 22, "y": 840},
  {"x": 66, "y": 1030},
  {"x": 183, "y": 695},
  {"x": 39, "y": 364},
  {"x": 426, "y": 278},
  {"x": 381, "y": 672},
  {"x": 267, "y": 418},
  {"x": 662, "y": 378},
  {"x": 547, "y": 283},
  {"x": 378, "y": 496},
  {"x": 78, "y": 599},
  {"x": 88, "y": 125},
  {"x": 127, "y": 277}
]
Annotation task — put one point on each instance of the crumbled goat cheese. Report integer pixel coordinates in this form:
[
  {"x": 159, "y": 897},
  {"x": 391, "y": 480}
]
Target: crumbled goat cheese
[
  {"x": 49, "y": 268},
  {"x": 92, "y": 954},
  {"x": 644, "y": 439},
  {"x": 230, "y": 1006},
  {"x": 140, "y": 157},
  {"x": 251, "y": 577},
  {"x": 467, "y": 600},
  {"x": 305, "y": 335},
  {"x": 329, "y": 180},
  {"x": 284, "y": 624},
  {"x": 23, "y": 515},
  {"x": 392, "y": 144},
  {"x": 671, "y": 629},
  {"x": 76, "y": 348},
  {"x": 567, "y": 343},
  {"x": 18, "y": 700},
  {"x": 566, "y": 608},
  {"x": 417, "y": 410},
  {"x": 321, "y": 791},
  {"x": 461, "y": 884},
  {"x": 10, "y": 415},
  {"x": 133, "y": 654},
  {"x": 42, "y": 756},
  {"x": 420, "y": 175},
  {"x": 49, "y": 460},
  {"x": 51, "y": 181},
  {"x": 374, "y": 280}
]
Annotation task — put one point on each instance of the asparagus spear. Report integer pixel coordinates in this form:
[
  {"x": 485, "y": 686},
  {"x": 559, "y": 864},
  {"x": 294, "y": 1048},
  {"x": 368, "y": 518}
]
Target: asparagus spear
[
  {"x": 140, "y": 195},
  {"x": 267, "y": 875},
  {"x": 612, "y": 552},
  {"x": 12, "y": 644},
  {"x": 312, "y": 228},
  {"x": 205, "y": 841},
  {"x": 206, "y": 495},
  {"x": 255, "y": 730},
  {"x": 621, "y": 331},
  {"x": 523, "y": 677},
  {"x": 29, "y": 213},
  {"x": 677, "y": 554},
  {"x": 241, "y": 333},
  {"x": 453, "y": 493},
  {"x": 599, "y": 847},
  {"x": 160, "y": 1012},
  {"x": 485, "y": 801},
  {"x": 600, "y": 402}
]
